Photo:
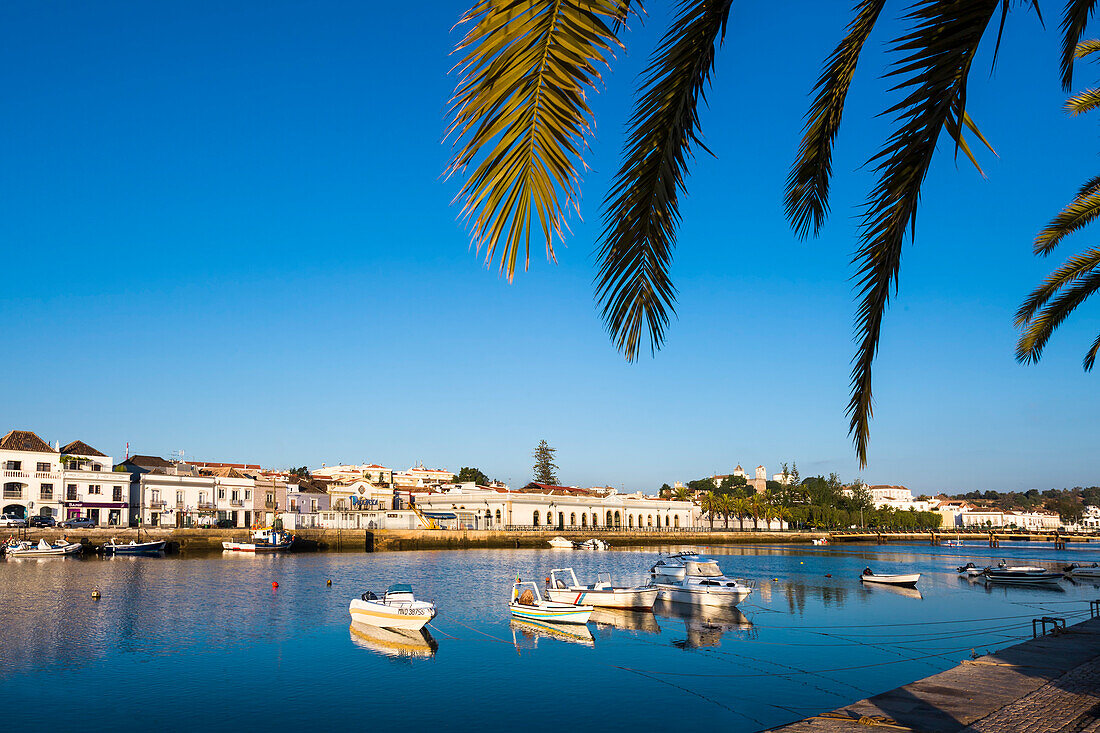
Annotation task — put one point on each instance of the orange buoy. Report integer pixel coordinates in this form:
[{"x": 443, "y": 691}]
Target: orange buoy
[{"x": 274, "y": 584}]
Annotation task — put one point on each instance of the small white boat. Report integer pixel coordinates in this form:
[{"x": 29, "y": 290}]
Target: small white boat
[
  {"x": 1079, "y": 570},
  {"x": 822, "y": 541},
  {"x": 530, "y": 605},
  {"x": 263, "y": 540},
  {"x": 42, "y": 548},
  {"x": 909, "y": 579},
  {"x": 593, "y": 544},
  {"x": 971, "y": 570},
  {"x": 563, "y": 586},
  {"x": 561, "y": 543},
  {"x": 133, "y": 547},
  {"x": 698, "y": 581},
  {"x": 396, "y": 609},
  {"x": 1021, "y": 574}
]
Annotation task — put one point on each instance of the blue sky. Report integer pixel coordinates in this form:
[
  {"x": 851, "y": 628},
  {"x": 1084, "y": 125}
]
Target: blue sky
[{"x": 225, "y": 231}]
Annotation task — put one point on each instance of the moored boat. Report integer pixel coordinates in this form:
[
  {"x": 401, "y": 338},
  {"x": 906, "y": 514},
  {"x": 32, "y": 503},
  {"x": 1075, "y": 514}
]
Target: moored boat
[
  {"x": 594, "y": 543},
  {"x": 529, "y": 604},
  {"x": 970, "y": 569},
  {"x": 1021, "y": 575},
  {"x": 42, "y": 548},
  {"x": 133, "y": 547},
  {"x": 908, "y": 579},
  {"x": 563, "y": 586},
  {"x": 561, "y": 543},
  {"x": 698, "y": 581},
  {"x": 1082, "y": 570},
  {"x": 396, "y": 609},
  {"x": 263, "y": 540}
]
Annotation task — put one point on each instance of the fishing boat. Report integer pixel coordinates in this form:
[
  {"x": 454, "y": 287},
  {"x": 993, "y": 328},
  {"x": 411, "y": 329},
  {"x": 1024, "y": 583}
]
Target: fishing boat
[
  {"x": 698, "y": 581},
  {"x": 42, "y": 548},
  {"x": 1079, "y": 570},
  {"x": 396, "y": 609},
  {"x": 563, "y": 586},
  {"x": 393, "y": 642},
  {"x": 133, "y": 547},
  {"x": 821, "y": 541},
  {"x": 909, "y": 579},
  {"x": 262, "y": 540},
  {"x": 530, "y": 605},
  {"x": 561, "y": 543},
  {"x": 1021, "y": 574}
]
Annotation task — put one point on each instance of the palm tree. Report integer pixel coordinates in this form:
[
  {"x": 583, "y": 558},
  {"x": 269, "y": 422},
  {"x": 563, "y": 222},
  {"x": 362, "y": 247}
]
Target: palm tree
[
  {"x": 783, "y": 514},
  {"x": 756, "y": 509},
  {"x": 725, "y": 506},
  {"x": 520, "y": 121},
  {"x": 681, "y": 494},
  {"x": 709, "y": 504},
  {"x": 1079, "y": 277},
  {"x": 740, "y": 506}
]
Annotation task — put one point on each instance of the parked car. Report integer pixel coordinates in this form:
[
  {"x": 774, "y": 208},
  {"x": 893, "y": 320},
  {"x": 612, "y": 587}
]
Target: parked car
[
  {"x": 224, "y": 524},
  {"x": 77, "y": 523},
  {"x": 40, "y": 521},
  {"x": 12, "y": 520}
]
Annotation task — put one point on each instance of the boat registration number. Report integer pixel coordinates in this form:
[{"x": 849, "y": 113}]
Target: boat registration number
[{"x": 412, "y": 611}]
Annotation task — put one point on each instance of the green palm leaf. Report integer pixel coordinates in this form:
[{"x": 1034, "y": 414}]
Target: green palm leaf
[
  {"x": 1090, "y": 357},
  {"x": 807, "y": 199},
  {"x": 1083, "y": 102},
  {"x": 939, "y": 51},
  {"x": 1073, "y": 269},
  {"x": 642, "y": 209},
  {"x": 1074, "y": 20},
  {"x": 1040, "y": 328},
  {"x": 520, "y": 110},
  {"x": 1079, "y": 213}
]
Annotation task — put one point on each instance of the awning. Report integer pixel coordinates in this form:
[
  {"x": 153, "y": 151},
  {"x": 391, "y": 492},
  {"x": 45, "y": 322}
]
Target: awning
[{"x": 440, "y": 515}]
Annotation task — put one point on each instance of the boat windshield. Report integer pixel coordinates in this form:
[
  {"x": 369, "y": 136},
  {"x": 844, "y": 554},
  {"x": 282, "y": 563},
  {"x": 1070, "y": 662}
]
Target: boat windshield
[{"x": 704, "y": 568}]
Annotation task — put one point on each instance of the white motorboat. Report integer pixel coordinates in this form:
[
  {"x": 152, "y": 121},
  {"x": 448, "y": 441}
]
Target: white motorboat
[
  {"x": 42, "y": 548},
  {"x": 529, "y": 604},
  {"x": 563, "y": 586},
  {"x": 263, "y": 540},
  {"x": 698, "y": 581},
  {"x": 1021, "y": 574},
  {"x": 909, "y": 579},
  {"x": 593, "y": 544},
  {"x": 822, "y": 541},
  {"x": 133, "y": 547},
  {"x": 561, "y": 543},
  {"x": 396, "y": 609},
  {"x": 971, "y": 570},
  {"x": 1079, "y": 570}
]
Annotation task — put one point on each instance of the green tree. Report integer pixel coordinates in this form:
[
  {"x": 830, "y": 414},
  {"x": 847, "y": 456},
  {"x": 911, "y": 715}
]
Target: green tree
[
  {"x": 740, "y": 507},
  {"x": 301, "y": 472},
  {"x": 545, "y": 469},
  {"x": 469, "y": 473},
  {"x": 725, "y": 506},
  {"x": 1078, "y": 278},
  {"x": 520, "y": 120},
  {"x": 665, "y": 492},
  {"x": 709, "y": 503},
  {"x": 682, "y": 494}
]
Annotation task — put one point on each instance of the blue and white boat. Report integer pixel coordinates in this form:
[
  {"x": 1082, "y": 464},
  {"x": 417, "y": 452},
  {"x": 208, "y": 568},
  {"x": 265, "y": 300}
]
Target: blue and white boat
[
  {"x": 133, "y": 547},
  {"x": 527, "y": 603}
]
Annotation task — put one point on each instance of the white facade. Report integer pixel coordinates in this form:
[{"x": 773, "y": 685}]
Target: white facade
[
  {"x": 176, "y": 500},
  {"x": 481, "y": 508}
]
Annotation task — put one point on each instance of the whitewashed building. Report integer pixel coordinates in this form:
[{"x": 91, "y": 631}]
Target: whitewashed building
[{"x": 91, "y": 488}]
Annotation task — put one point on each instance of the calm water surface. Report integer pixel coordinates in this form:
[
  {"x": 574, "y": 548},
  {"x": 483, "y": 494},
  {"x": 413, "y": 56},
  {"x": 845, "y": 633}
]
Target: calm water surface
[{"x": 180, "y": 642}]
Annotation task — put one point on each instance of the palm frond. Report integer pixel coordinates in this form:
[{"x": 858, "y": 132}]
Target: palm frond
[
  {"x": 1090, "y": 357},
  {"x": 520, "y": 108},
  {"x": 1086, "y": 48},
  {"x": 1039, "y": 330},
  {"x": 807, "y": 197},
  {"x": 1083, "y": 102},
  {"x": 1080, "y": 212},
  {"x": 939, "y": 51},
  {"x": 1092, "y": 185},
  {"x": 641, "y": 211},
  {"x": 955, "y": 130},
  {"x": 1073, "y": 269},
  {"x": 1074, "y": 19}
]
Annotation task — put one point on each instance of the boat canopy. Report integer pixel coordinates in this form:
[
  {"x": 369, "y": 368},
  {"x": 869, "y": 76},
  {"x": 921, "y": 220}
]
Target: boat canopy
[
  {"x": 440, "y": 515},
  {"x": 399, "y": 588}
]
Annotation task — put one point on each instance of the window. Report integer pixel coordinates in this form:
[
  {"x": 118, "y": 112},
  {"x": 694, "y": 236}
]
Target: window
[
  {"x": 70, "y": 492},
  {"x": 549, "y": 519},
  {"x": 535, "y": 519},
  {"x": 649, "y": 520},
  {"x": 235, "y": 496},
  {"x": 572, "y": 518},
  {"x": 584, "y": 520},
  {"x": 247, "y": 494},
  {"x": 154, "y": 494},
  {"x": 97, "y": 467},
  {"x": 221, "y": 493},
  {"x": 595, "y": 519},
  {"x": 13, "y": 465},
  {"x": 666, "y": 520},
  {"x": 676, "y": 520},
  {"x": 179, "y": 497},
  {"x": 630, "y": 520},
  {"x": 618, "y": 520},
  {"x": 313, "y": 505},
  {"x": 43, "y": 467},
  {"x": 45, "y": 492},
  {"x": 293, "y": 505},
  {"x": 498, "y": 516},
  {"x": 116, "y": 493},
  {"x": 94, "y": 489},
  {"x": 75, "y": 465}
]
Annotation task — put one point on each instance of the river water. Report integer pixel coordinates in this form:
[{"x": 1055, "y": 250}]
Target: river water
[{"x": 206, "y": 643}]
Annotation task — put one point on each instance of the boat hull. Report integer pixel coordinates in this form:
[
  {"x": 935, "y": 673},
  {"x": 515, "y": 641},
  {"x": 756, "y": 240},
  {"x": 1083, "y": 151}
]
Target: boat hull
[
  {"x": 254, "y": 547},
  {"x": 408, "y": 618},
  {"x": 142, "y": 548},
  {"x": 70, "y": 549},
  {"x": 1083, "y": 572},
  {"x": 624, "y": 598},
  {"x": 1023, "y": 578},
  {"x": 902, "y": 580},
  {"x": 558, "y": 613},
  {"x": 710, "y": 597}
]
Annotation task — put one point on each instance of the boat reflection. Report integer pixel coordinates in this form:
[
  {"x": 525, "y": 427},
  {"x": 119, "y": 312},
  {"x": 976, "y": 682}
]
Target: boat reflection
[
  {"x": 896, "y": 590},
  {"x": 526, "y": 633},
  {"x": 705, "y": 626},
  {"x": 394, "y": 642},
  {"x": 617, "y": 618}
]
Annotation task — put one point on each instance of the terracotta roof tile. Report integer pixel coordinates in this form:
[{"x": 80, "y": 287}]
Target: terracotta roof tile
[
  {"x": 80, "y": 448},
  {"x": 25, "y": 440}
]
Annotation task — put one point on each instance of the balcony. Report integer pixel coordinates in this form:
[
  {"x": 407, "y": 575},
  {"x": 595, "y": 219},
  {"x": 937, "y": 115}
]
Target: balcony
[
  {"x": 206, "y": 505},
  {"x": 236, "y": 502},
  {"x": 13, "y": 493},
  {"x": 269, "y": 505},
  {"x": 46, "y": 474},
  {"x": 157, "y": 503},
  {"x": 45, "y": 496},
  {"x": 16, "y": 474}
]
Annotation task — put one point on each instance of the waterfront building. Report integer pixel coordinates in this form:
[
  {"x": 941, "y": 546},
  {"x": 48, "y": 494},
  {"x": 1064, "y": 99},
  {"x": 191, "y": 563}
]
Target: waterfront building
[
  {"x": 233, "y": 495},
  {"x": 361, "y": 495},
  {"x": 92, "y": 488},
  {"x": 304, "y": 506},
  {"x": 347, "y": 472},
  {"x": 177, "y": 496},
  {"x": 419, "y": 477},
  {"x": 556, "y": 507},
  {"x": 31, "y": 475}
]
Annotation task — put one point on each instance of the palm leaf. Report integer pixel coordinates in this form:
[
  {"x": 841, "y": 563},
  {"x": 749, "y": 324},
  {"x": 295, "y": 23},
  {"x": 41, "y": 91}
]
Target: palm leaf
[
  {"x": 520, "y": 111},
  {"x": 641, "y": 211},
  {"x": 1039, "y": 330},
  {"x": 807, "y": 199},
  {"x": 1083, "y": 102},
  {"x": 1074, "y": 20},
  {"x": 1086, "y": 48},
  {"x": 939, "y": 51},
  {"x": 1090, "y": 186},
  {"x": 1090, "y": 357},
  {"x": 1079, "y": 213},
  {"x": 1073, "y": 269}
]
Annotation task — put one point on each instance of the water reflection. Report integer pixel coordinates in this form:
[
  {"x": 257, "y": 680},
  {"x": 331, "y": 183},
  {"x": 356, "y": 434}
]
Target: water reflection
[
  {"x": 526, "y": 634},
  {"x": 394, "y": 642},
  {"x": 896, "y": 590},
  {"x": 705, "y": 626},
  {"x": 615, "y": 618}
]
